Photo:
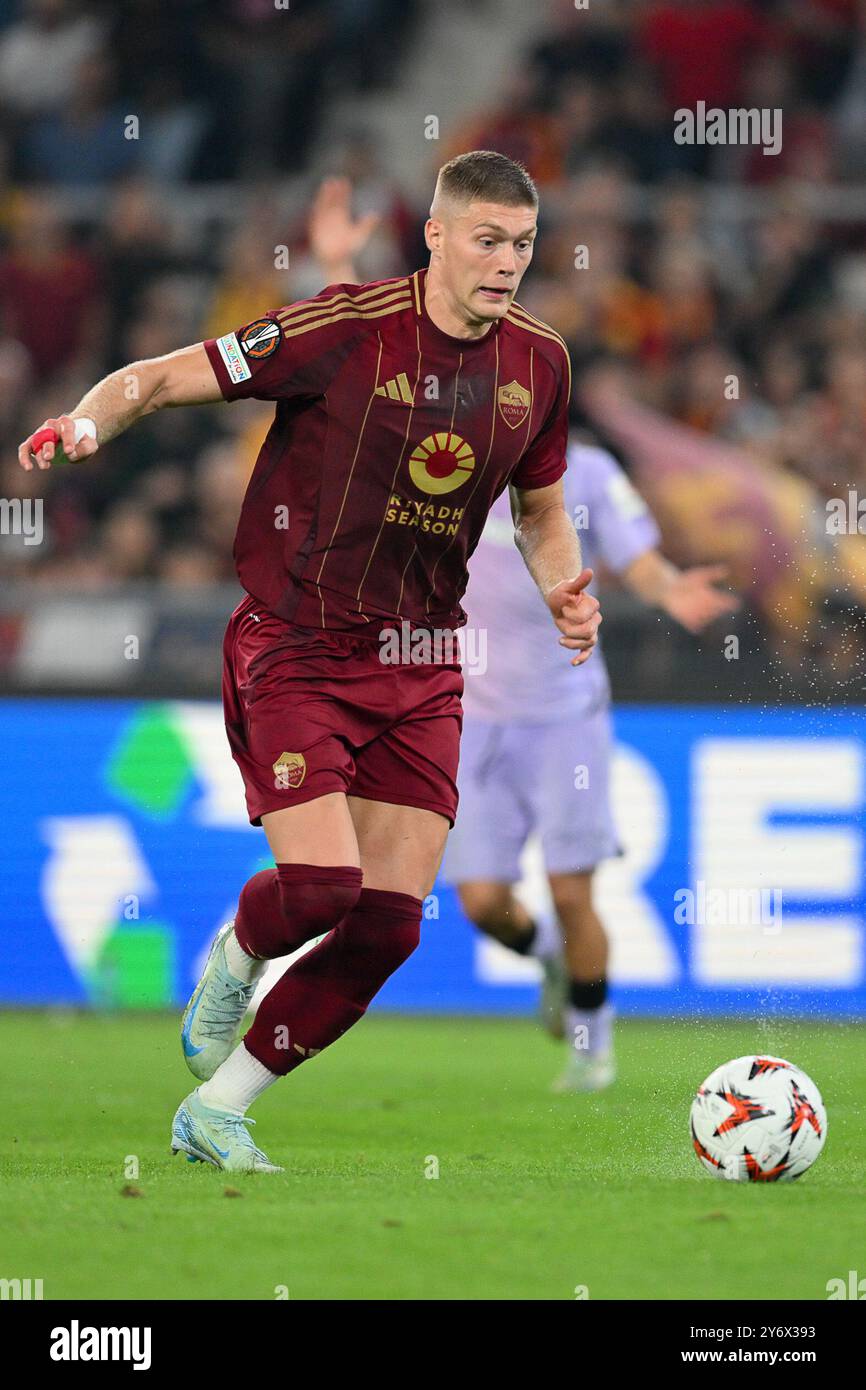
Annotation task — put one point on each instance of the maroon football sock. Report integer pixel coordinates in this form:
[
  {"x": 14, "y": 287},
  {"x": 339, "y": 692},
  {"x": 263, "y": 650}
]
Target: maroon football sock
[
  {"x": 327, "y": 990},
  {"x": 279, "y": 909}
]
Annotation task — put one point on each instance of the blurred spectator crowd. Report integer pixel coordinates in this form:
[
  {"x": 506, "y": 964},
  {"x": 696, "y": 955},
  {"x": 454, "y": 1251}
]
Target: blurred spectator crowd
[{"x": 748, "y": 332}]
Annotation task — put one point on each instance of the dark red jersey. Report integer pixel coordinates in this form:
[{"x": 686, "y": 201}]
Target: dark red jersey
[{"x": 389, "y": 444}]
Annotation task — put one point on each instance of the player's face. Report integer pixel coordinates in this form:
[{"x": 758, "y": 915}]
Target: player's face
[{"x": 485, "y": 251}]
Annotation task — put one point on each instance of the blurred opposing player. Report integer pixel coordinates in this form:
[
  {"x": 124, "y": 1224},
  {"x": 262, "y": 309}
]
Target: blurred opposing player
[
  {"x": 404, "y": 408},
  {"x": 536, "y": 749}
]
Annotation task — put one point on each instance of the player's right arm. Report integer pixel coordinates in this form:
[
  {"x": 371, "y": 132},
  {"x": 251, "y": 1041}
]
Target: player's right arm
[{"x": 184, "y": 377}]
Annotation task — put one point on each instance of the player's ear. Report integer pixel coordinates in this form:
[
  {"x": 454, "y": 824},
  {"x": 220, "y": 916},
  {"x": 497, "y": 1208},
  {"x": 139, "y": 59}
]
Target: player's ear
[{"x": 433, "y": 234}]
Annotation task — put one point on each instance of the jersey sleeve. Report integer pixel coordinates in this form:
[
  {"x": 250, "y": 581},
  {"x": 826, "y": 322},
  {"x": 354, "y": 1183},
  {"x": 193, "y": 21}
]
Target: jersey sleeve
[
  {"x": 287, "y": 353},
  {"x": 544, "y": 461},
  {"x": 620, "y": 523}
]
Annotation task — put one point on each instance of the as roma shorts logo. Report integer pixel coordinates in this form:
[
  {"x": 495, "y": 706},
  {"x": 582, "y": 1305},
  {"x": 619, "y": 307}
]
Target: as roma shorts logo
[
  {"x": 290, "y": 769},
  {"x": 514, "y": 401},
  {"x": 260, "y": 338},
  {"x": 441, "y": 462}
]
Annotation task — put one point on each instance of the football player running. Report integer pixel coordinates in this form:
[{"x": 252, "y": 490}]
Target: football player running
[
  {"x": 537, "y": 737},
  {"x": 403, "y": 409}
]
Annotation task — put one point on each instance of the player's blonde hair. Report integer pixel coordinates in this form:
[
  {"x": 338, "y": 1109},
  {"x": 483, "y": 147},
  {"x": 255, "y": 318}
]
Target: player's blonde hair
[{"x": 485, "y": 176}]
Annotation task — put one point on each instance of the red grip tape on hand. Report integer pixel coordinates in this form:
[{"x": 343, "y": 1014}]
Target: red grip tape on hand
[{"x": 43, "y": 436}]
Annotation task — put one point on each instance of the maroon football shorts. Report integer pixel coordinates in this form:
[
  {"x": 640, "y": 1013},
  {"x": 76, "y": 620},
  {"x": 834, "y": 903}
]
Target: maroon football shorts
[{"x": 310, "y": 712}]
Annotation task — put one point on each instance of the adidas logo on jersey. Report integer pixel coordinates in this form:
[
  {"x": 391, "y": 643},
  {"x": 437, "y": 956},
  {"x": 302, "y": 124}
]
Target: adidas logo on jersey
[{"x": 397, "y": 389}]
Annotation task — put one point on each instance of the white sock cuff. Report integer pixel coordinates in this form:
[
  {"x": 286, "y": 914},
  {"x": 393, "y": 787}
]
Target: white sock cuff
[
  {"x": 590, "y": 1031},
  {"x": 241, "y": 964},
  {"x": 237, "y": 1082}
]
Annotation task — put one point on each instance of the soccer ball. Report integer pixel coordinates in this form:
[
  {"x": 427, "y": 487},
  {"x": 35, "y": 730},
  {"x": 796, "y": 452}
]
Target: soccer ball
[{"x": 758, "y": 1119}]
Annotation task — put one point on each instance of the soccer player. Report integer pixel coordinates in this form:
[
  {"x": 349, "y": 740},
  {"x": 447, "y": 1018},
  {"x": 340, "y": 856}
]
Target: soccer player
[
  {"x": 403, "y": 409},
  {"x": 536, "y": 753},
  {"x": 536, "y": 743}
]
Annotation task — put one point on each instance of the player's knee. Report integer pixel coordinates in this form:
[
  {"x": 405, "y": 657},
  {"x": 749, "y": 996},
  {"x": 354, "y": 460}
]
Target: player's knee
[
  {"x": 384, "y": 928},
  {"x": 315, "y": 899},
  {"x": 488, "y": 906},
  {"x": 279, "y": 909},
  {"x": 403, "y": 939}
]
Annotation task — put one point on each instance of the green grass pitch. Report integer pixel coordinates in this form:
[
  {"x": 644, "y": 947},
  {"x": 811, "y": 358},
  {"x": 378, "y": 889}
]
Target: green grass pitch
[{"x": 536, "y": 1195}]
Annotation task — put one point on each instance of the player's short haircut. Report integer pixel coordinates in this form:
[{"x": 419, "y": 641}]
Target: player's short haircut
[{"x": 486, "y": 176}]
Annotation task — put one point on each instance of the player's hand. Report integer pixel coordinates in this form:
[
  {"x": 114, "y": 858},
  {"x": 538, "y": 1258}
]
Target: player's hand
[
  {"x": 55, "y": 440},
  {"x": 692, "y": 600},
  {"x": 576, "y": 614},
  {"x": 335, "y": 236}
]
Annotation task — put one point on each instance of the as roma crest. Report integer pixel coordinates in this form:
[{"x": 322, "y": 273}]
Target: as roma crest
[
  {"x": 514, "y": 401},
  {"x": 290, "y": 770}
]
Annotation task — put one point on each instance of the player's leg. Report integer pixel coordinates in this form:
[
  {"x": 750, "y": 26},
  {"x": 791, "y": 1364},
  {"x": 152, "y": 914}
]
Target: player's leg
[
  {"x": 273, "y": 686},
  {"x": 494, "y": 908},
  {"x": 316, "y": 881},
  {"x": 328, "y": 989},
  {"x": 274, "y": 683},
  {"x": 299, "y": 797},
  {"x": 588, "y": 1014},
  {"x": 403, "y": 800},
  {"x": 577, "y": 833},
  {"x": 583, "y": 932},
  {"x": 482, "y": 857},
  {"x": 399, "y": 848},
  {"x": 399, "y": 843},
  {"x": 325, "y": 992}
]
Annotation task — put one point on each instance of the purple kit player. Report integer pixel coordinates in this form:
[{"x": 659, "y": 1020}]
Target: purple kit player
[{"x": 536, "y": 750}]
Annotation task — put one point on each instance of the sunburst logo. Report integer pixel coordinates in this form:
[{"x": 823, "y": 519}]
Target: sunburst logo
[{"x": 441, "y": 462}]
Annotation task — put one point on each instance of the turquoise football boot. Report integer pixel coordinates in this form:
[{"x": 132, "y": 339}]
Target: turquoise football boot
[
  {"x": 219, "y": 1137},
  {"x": 213, "y": 1015}
]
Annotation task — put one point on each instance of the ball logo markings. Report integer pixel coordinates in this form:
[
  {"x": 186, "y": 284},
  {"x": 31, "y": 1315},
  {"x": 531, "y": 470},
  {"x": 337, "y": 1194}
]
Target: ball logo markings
[
  {"x": 802, "y": 1111},
  {"x": 744, "y": 1109}
]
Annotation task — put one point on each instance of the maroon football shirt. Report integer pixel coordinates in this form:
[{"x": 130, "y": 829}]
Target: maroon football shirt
[{"x": 389, "y": 444}]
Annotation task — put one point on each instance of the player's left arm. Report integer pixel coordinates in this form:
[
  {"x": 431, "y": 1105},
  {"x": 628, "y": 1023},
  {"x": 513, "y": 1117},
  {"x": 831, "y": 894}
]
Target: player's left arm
[
  {"x": 689, "y": 596},
  {"x": 546, "y": 538}
]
